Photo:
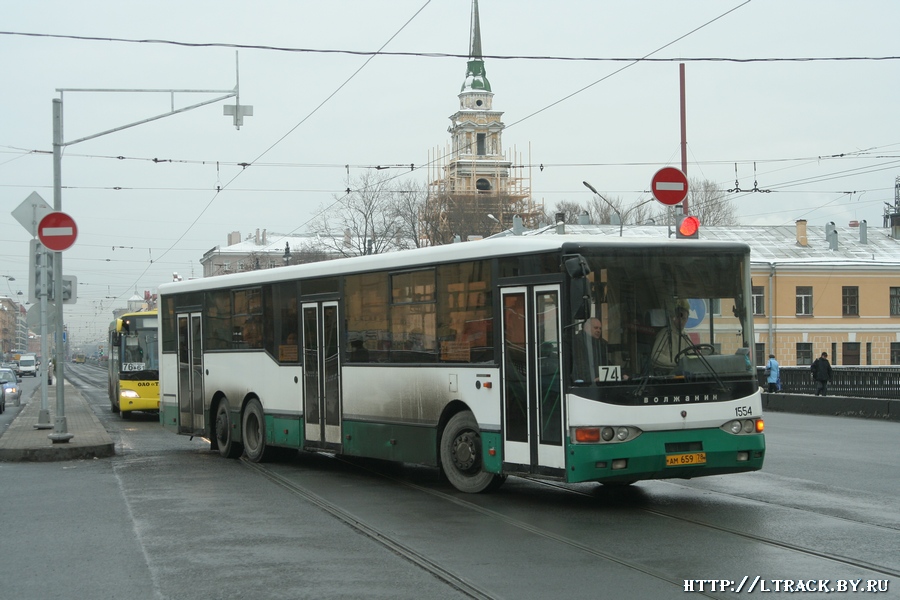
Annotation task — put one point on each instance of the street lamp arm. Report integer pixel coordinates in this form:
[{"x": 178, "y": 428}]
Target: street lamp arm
[{"x": 647, "y": 201}]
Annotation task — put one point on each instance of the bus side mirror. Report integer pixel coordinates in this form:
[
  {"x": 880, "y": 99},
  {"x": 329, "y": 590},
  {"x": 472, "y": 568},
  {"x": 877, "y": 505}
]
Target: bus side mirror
[{"x": 577, "y": 267}]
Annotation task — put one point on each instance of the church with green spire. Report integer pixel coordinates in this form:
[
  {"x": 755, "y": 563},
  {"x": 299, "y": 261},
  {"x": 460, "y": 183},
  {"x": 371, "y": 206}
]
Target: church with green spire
[{"x": 475, "y": 189}]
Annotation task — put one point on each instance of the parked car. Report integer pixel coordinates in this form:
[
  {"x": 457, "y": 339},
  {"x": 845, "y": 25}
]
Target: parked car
[{"x": 10, "y": 382}]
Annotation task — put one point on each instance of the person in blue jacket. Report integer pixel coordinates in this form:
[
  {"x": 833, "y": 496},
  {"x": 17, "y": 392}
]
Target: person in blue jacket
[{"x": 772, "y": 370}]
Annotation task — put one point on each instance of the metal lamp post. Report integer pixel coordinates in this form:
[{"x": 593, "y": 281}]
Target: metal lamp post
[{"x": 236, "y": 111}]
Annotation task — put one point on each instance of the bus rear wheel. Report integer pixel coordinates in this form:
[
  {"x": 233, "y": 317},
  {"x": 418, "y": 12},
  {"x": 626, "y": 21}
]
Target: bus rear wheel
[
  {"x": 254, "y": 431},
  {"x": 224, "y": 434},
  {"x": 461, "y": 456}
]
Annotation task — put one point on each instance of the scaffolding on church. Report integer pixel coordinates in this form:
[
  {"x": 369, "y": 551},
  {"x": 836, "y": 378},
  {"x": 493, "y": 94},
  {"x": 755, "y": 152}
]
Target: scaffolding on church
[{"x": 462, "y": 205}]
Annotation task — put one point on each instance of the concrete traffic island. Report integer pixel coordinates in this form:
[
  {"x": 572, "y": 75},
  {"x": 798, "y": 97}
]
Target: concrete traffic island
[{"x": 87, "y": 438}]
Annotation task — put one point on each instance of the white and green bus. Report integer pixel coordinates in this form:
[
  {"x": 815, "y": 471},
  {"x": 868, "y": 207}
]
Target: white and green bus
[{"x": 478, "y": 358}]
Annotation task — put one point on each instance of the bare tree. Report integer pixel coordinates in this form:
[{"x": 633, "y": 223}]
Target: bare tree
[
  {"x": 710, "y": 204},
  {"x": 409, "y": 204},
  {"x": 570, "y": 210},
  {"x": 614, "y": 208},
  {"x": 363, "y": 221}
]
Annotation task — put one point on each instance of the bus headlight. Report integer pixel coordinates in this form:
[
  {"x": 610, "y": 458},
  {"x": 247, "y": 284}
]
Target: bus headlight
[
  {"x": 128, "y": 394},
  {"x": 743, "y": 426},
  {"x": 603, "y": 434}
]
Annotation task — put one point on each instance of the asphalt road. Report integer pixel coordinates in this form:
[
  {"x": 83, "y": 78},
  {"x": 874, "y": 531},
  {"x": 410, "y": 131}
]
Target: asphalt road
[{"x": 167, "y": 518}]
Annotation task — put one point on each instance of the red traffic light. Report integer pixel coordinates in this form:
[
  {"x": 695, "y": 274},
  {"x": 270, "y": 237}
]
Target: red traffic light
[{"x": 688, "y": 227}]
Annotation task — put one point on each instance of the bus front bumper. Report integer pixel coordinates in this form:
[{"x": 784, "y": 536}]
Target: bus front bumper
[{"x": 691, "y": 453}]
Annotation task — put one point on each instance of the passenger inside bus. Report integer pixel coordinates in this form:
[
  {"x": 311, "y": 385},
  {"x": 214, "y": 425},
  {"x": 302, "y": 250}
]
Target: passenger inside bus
[
  {"x": 590, "y": 349},
  {"x": 592, "y": 352},
  {"x": 358, "y": 352}
]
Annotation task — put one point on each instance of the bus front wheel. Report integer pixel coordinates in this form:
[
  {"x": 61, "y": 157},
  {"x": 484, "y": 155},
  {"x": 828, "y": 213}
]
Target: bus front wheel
[
  {"x": 461, "y": 456},
  {"x": 228, "y": 448},
  {"x": 254, "y": 431}
]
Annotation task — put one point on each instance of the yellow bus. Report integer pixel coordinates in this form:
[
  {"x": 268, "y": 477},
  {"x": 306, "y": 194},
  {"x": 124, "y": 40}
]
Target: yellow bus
[
  {"x": 79, "y": 358},
  {"x": 134, "y": 363}
]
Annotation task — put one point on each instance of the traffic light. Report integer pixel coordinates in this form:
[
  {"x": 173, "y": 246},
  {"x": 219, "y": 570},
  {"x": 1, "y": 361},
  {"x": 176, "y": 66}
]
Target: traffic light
[
  {"x": 38, "y": 254},
  {"x": 69, "y": 289},
  {"x": 688, "y": 228}
]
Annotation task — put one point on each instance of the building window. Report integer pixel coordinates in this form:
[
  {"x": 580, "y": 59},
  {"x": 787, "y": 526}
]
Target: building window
[
  {"x": 480, "y": 143},
  {"x": 895, "y": 353},
  {"x": 759, "y": 300},
  {"x": 868, "y": 353},
  {"x": 804, "y": 353},
  {"x": 895, "y": 301},
  {"x": 850, "y": 301},
  {"x": 760, "y": 352},
  {"x": 804, "y": 300},
  {"x": 850, "y": 353}
]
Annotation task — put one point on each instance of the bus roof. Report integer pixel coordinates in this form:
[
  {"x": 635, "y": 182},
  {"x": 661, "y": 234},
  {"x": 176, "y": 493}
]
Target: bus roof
[{"x": 423, "y": 257}]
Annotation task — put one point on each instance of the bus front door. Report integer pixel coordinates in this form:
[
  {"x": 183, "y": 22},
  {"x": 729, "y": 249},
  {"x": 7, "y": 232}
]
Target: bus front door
[
  {"x": 190, "y": 375},
  {"x": 321, "y": 375},
  {"x": 533, "y": 417}
]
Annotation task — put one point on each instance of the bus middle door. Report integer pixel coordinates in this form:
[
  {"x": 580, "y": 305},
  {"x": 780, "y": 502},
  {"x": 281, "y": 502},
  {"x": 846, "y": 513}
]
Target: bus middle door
[
  {"x": 190, "y": 375},
  {"x": 532, "y": 392},
  {"x": 321, "y": 375}
]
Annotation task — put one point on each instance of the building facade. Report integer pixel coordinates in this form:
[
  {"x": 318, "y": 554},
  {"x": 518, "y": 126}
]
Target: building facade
[
  {"x": 263, "y": 250},
  {"x": 13, "y": 330}
]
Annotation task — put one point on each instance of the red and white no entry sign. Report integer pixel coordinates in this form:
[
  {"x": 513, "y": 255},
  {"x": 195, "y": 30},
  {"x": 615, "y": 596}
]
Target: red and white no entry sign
[
  {"x": 669, "y": 185},
  {"x": 57, "y": 231}
]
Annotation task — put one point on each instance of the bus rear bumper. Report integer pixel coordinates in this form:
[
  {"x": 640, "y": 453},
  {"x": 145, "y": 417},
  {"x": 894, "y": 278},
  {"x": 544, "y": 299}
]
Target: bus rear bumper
[{"x": 645, "y": 456}]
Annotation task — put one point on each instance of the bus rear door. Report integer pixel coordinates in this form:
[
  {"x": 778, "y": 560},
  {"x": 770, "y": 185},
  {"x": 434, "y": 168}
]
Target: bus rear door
[{"x": 532, "y": 393}]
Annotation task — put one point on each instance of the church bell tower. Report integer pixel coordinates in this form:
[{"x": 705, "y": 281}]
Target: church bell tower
[{"x": 475, "y": 188}]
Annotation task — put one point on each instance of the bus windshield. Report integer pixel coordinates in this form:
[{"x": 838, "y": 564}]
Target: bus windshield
[
  {"x": 139, "y": 350},
  {"x": 653, "y": 317}
]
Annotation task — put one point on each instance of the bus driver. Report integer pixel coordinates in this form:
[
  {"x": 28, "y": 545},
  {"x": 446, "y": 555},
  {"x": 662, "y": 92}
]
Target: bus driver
[{"x": 670, "y": 340}]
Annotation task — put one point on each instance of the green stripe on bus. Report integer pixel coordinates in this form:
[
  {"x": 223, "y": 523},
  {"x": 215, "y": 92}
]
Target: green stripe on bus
[{"x": 404, "y": 443}]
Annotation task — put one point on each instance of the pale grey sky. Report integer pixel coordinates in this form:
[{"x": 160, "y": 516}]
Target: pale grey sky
[{"x": 140, "y": 220}]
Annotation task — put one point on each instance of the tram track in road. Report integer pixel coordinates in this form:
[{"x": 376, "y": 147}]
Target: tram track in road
[
  {"x": 386, "y": 540},
  {"x": 393, "y": 542},
  {"x": 746, "y": 535}
]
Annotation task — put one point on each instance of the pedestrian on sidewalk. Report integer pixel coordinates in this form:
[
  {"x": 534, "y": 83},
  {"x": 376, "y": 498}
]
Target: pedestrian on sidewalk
[
  {"x": 773, "y": 373},
  {"x": 821, "y": 370}
]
